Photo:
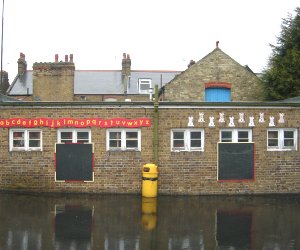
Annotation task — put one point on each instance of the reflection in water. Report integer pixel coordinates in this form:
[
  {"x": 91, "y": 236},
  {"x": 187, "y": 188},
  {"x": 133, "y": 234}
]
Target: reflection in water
[
  {"x": 23, "y": 240},
  {"x": 121, "y": 222},
  {"x": 149, "y": 210},
  {"x": 185, "y": 243},
  {"x": 73, "y": 227},
  {"x": 234, "y": 230}
]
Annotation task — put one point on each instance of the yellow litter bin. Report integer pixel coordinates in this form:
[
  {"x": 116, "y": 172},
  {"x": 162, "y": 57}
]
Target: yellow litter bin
[{"x": 150, "y": 176}]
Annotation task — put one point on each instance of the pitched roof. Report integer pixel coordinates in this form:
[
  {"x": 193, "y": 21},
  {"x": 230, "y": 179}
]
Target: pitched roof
[
  {"x": 211, "y": 54},
  {"x": 98, "y": 81},
  {"x": 22, "y": 84}
]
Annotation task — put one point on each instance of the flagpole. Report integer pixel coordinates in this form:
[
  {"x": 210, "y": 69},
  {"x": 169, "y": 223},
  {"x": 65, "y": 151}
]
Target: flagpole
[{"x": 1, "y": 83}]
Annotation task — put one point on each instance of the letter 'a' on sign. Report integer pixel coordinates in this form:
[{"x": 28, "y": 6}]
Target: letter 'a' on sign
[{"x": 74, "y": 162}]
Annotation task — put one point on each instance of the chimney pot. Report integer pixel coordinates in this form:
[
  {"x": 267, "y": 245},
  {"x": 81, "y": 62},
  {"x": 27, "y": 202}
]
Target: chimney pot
[
  {"x": 192, "y": 62},
  {"x": 22, "y": 56},
  {"x": 22, "y": 64},
  {"x": 66, "y": 58},
  {"x": 124, "y": 55},
  {"x": 217, "y": 44},
  {"x": 71, "y": 58},
  {"x": 56, "y": 58}
]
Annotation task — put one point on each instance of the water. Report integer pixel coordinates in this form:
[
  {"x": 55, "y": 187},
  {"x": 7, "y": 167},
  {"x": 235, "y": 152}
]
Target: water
[{"x": 119, "y": 222}]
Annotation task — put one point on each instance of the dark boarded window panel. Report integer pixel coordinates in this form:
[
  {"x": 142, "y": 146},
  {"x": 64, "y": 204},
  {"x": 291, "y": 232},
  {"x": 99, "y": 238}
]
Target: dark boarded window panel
[
  {"x": 74, "y": 162},
  {"x": 236, "y": 161},
  {"x": 234, "y": 230}
]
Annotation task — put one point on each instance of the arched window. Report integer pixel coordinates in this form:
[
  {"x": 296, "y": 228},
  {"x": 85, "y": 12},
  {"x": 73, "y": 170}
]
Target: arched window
[{"x": 217, "y": 92}]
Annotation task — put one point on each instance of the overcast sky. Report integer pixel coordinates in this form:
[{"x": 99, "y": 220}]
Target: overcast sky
[{"x": 158, "y": 34}]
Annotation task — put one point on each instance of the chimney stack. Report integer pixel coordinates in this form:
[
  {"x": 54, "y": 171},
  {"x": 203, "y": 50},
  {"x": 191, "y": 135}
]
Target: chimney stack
[
  {"x": 126, "y": 70},
  {"x": 126, "y": 64},
  {"x": 4, "y": 83},
  {"x": 53, "y": 81},
  {"x": 22, "y": 64},
  {"x": 192, "y": 62}
]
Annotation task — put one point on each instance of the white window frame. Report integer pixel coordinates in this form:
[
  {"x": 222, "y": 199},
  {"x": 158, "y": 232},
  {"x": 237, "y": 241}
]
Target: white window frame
[
  {"x": 26, "y": 140},
  {"x": 143, "y": 81},
  {"x": 187, "y": 140},
  {"x": 235, "y": 133},
  {"x": 123, "y": 140},
  {"x": 74, "y": 135},
  {"x": 280, "y": 146}
]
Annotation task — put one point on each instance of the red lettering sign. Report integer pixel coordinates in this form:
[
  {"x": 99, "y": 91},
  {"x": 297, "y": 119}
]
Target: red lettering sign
[{"x": 75, "y": 123}]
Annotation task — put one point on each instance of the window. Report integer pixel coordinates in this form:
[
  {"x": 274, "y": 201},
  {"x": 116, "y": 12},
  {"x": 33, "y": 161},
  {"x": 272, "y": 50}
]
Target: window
[
  {"x": 144, "y": 86},
  {"x": 217, "y": 95},
  {"x": 217, "y": 92},
  {"x": 282, "y": 139},
  {"x": 187, "y": 140},
  {"x": 25, "y": 140},
  {"x": 74, "y": 136},
  {"x": 123, "y": 139},
  {"x": 236, "y": 135}
]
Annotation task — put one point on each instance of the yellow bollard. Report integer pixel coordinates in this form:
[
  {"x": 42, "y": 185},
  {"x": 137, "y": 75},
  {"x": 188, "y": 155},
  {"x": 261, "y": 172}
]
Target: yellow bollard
[{"x": 150, "y": 177}]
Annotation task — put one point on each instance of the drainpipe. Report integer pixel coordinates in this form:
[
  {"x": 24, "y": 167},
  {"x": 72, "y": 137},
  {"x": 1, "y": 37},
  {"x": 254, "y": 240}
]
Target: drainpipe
[{"x": 155, "y": 126}]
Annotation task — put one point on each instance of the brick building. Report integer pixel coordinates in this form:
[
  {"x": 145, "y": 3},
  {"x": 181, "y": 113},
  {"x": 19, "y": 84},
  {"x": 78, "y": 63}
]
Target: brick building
[
  {"x": 60, "y": 81},
  {"x": 227, "y": 146},
  {"x": 216, "y": 77}
]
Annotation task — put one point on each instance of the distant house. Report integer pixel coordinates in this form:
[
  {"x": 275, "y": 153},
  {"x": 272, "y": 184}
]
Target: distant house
[
  {"x": 60, "y": 81},
  {"x": 214, "y": 78}
]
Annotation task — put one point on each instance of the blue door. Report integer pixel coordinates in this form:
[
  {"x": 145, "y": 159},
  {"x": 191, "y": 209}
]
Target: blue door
[{"x": 217, "y": 95}]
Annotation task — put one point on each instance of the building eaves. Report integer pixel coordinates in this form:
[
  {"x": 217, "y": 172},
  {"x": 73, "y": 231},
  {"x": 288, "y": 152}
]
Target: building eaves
[
  {"x": 4, "y": 98},
  {"x": 151, "y": 104}
]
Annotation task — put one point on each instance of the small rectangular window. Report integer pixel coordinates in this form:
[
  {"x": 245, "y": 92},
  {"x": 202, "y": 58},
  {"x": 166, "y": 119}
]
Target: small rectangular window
[
  {"x": 235, "y": 135},
  {"x": 83, "y": 137},
  {"x": 74, "y": 136},
  {"x": 19, "y": 139},
  {"x": 178, "y": 139},
  {"x": 115, "y": 140},
  {"x": 226, "y": 136},
  {"x": 25, "y": 140},
  {"x": 282, "y": 139},
  {"x": 132, "y": 140},
  {"x": 34, "y": 139},
  {"x": 273, "y": 139},
  {"x": 196, "y": 139},
  {"x": 243, "y": 136},
  {"x": 187, "y": 140},
  {"x": 66, "y": 136},
  {"x": 144, "y": 86},
  {"x": 123, "y": 139}
]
